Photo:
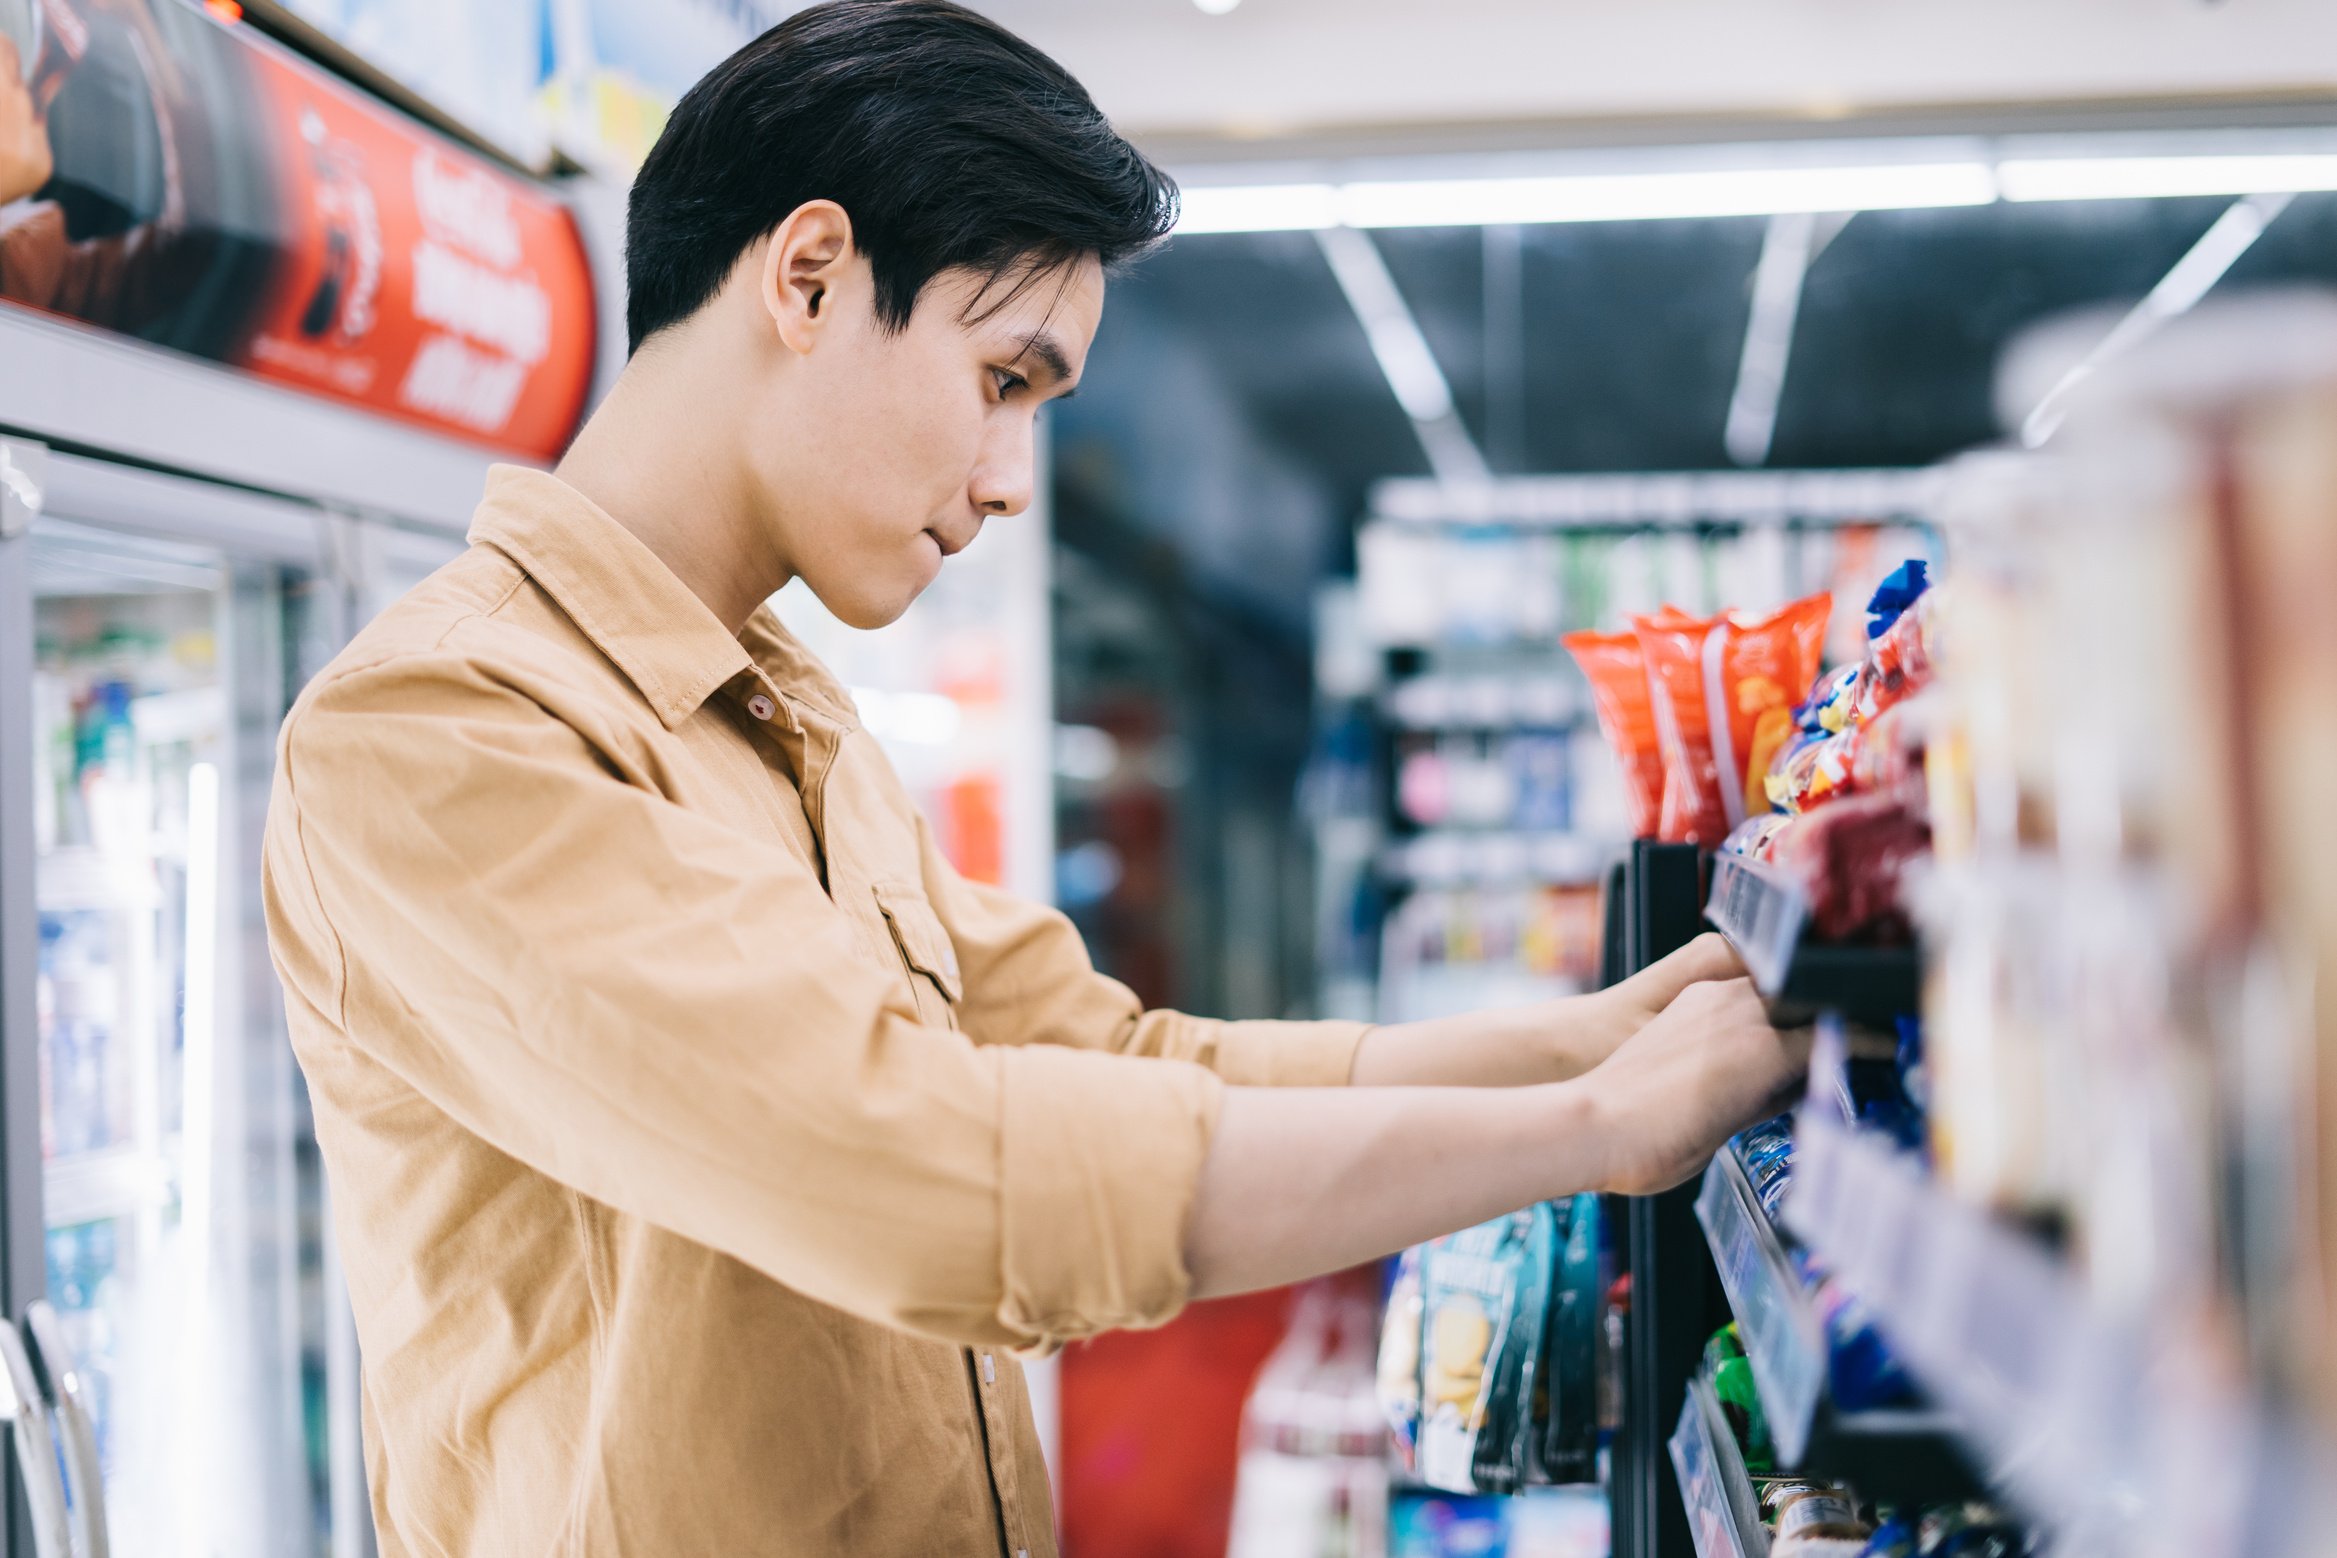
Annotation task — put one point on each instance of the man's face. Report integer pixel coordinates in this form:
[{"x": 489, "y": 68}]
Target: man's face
[{"x": 923, "y": 434}]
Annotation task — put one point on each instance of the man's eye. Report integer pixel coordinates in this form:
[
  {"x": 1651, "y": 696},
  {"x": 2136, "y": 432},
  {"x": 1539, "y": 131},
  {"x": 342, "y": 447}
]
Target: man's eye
[{"x": 1006, "y": 382}]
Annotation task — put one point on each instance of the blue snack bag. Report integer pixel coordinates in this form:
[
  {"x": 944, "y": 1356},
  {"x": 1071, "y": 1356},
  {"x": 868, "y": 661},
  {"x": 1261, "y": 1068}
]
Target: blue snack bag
[{"x": 1484, "y": 1301}]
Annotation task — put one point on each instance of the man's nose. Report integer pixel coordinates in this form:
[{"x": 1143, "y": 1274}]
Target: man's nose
[{"x": 1003, "y": 478}]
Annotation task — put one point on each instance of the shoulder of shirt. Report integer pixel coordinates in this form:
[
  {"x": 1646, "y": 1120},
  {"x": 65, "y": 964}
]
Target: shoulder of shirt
[{"x": 461, "y": 614}]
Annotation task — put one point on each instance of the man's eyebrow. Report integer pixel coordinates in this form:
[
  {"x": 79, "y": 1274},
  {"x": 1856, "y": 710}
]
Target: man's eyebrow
[{"x": 1041, "y": 345}]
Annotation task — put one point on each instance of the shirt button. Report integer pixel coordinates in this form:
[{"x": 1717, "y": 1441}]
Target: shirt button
[
  {"x": 989, "y": 1370},
  {"x": 761, "y": 707}
]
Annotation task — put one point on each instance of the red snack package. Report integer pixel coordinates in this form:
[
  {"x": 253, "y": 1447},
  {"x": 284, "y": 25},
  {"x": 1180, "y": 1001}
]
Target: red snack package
[
  {"x": 1898, "y": 664},
  {"x": 1617, "y": 670},
  {"x": 1889, "y": 752},
  {"x": 1724, "y": 690},
  {"x": 1848, "y": 858}
]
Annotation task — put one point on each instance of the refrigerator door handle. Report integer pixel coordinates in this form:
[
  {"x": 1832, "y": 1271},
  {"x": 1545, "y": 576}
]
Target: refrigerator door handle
[
  {"x": 68, "y": 1400},
  {"x": 36, "y": 1448}
]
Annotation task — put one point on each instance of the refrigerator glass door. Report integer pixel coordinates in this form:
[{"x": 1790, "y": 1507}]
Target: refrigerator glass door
[{"x": 182, "y": 1251}]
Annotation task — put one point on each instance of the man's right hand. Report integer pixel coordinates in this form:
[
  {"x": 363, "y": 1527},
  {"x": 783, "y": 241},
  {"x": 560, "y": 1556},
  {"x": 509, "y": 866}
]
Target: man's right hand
[
  {"x": 1703, "y": 1069},
  {"x": 1300, "y": 1181},
  {"x": 26, "y": 159}
]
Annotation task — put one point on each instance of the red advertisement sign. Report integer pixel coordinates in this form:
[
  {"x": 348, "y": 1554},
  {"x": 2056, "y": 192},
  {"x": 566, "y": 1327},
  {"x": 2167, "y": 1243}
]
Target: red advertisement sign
[{"x": 174, "y": 177}]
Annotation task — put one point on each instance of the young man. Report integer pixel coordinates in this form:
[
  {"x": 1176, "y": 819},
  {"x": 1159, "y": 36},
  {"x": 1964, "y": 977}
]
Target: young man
[{"x": 702, "y": 1146}]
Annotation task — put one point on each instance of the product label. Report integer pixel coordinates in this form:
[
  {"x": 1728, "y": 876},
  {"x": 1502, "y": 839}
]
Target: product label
[{"x": 1827, "y": 1514}]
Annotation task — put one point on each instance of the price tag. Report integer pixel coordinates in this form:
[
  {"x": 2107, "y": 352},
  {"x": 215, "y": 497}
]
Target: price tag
[{"x": 1761, "y": 914}]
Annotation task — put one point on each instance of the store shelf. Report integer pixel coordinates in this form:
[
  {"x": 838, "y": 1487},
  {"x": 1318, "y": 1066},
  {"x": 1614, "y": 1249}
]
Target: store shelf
[
  {"x": 1459, "y": 857},
  {"x": 2078, "y": 1418},
  {"x": 78, "y": 879},
  {"x": 85, "y": 1187},
  {"x": 1764, "y": 915},
  {"x": 1724, "y": 1518},
  {"x": 1887, "y": 1454}
]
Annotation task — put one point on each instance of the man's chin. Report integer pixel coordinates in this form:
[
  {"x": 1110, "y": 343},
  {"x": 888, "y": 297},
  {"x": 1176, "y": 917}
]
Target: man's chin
[{"x": 868, "y": 613}]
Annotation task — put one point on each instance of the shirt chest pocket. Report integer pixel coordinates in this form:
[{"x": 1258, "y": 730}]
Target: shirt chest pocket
[{"x": 927, "y": 957}]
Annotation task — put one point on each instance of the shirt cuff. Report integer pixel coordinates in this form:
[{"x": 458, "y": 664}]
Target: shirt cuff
[
  {"x": 1287, "y": 1054},
  {"x": 1101, "y": 1157}
]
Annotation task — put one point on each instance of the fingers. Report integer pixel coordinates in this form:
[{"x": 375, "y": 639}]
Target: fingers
[
  {"x": 11, "y": 66},
  {"x": 1708, "y": 957}
]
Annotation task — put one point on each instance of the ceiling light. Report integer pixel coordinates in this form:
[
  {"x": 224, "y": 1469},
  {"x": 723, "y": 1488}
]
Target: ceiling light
[
  {"x": 1608, "y": 197},
  {"x": 1217, "y": 7},
  {"x": 1638, "y": 197},
  {"x": 2158, "y": 178},
  {"x": 1258, "y": 208}
]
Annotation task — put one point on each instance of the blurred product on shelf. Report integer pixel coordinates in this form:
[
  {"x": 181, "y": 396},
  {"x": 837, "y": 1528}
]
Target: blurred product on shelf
[
  {"x": 1455, "y": 949},
  {"x": 1516, "y": 779},
  {"x": 1538, "y": 1523},
  {"x": 1722, "y": 689},
  {"x": 2131, "y": 934},
  {"x": 1484, "y": 700},
  {"x": 1493, "y": 1351},
  {"x": 1313, "y": 1476},
  {"x": 1484, "y": 1303},
  {"x": 1615, "y": 665},
  {"x": 1804, "y": 1516}
]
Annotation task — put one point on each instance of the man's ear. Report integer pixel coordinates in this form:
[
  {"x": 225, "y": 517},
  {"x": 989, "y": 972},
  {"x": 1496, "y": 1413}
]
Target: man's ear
[{"x": 804, "y": 262}]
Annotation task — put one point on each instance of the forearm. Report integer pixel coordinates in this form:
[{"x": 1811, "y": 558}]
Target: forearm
[
  {"x": 1301, "y": 1181},
  {"x": 1519, "y": 1046},
  {"x": 1551, "y": 1041}
]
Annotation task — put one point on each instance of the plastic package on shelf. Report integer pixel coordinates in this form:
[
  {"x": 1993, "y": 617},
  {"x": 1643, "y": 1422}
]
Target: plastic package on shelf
[
  {"x": 1484, "y": 1297},
  {"x": 1723, "y": 691},
  {"x": 1616, "y": 668},
  {"x": 1850, "y": 859}
]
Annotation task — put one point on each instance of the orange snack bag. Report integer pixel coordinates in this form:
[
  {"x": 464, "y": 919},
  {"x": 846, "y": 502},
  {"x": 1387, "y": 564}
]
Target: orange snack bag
[
  {"x": 1617, "y": 670},
  {"x": 1723, "y": 690}
]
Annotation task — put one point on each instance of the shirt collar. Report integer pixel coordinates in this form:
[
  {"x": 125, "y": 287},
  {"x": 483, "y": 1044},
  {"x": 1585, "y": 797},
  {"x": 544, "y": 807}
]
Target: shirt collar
[{"x": 617, "y": 591}]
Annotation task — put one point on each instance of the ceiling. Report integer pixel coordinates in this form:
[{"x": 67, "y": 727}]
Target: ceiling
[
  {"x": 1277, "y": 75},
  {"x": 1232, "y": 411}
]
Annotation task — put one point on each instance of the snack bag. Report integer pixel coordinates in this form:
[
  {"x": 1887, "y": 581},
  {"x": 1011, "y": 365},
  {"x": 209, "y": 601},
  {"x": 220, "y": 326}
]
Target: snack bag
[
  {"x": 1570, "y": 1446},
  {"x": 1724, "y": 691},
  {"x": 1900, "y": 588},
  {"x": 1399, "y": 1357},
  {"x": 1833, "y": 702},
  {"x": 1848, "y": 858},
  {"x": 1484, "y": 1301},
  {"x": 1752, "y": 837},
  {"x": 1617, "y": 670},
  {"x": 1731, "y": 1377},
  {"x": 1888, "y": 756},
  {"x": 1898, "y": 664}
]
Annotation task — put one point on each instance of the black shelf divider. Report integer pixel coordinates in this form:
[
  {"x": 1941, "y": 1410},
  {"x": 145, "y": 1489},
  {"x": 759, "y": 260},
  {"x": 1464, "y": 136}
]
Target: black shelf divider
[{"x": 1676, "y": 1300}]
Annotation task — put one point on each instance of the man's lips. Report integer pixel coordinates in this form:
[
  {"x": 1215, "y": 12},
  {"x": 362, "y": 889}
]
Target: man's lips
[{"x": 948, "y": 547}]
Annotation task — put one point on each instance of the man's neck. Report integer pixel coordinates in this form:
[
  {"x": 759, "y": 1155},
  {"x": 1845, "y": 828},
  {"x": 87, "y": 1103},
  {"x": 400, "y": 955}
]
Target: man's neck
[{"x": 660, "y": 473}]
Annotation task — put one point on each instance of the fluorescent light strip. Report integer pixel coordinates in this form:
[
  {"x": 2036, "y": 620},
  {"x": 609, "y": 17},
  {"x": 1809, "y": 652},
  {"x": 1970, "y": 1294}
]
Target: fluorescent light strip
[
  {"x": 1603, "y": 197},
  {"x": 2159, "y": 178},
  {"x": 1395, "y": 337},
  {"x": 1639, "y": 197},
  {"x": 1404, "y": 355},
  {"x": 2178, "y": 292},
  {"x": 1642, "y": 197}
]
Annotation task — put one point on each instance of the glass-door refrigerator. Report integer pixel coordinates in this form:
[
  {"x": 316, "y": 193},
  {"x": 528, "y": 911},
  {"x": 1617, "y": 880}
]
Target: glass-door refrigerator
[{"x": 162, "y": 1184}]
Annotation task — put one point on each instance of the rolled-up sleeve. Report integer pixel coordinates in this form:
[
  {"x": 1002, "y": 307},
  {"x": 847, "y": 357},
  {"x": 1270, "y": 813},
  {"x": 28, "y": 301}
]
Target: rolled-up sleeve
[
  {"x": 671, "y": 1017},
  {"x": 1029, "y": 980}
]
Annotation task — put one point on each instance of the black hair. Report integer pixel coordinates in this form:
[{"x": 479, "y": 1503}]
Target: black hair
[{"x": 948, "y": 140}]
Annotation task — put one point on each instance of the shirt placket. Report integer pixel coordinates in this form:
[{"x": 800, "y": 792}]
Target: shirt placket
[
  {"x": 820, "y": 738},
  {"x": 998, "y": 1426}
]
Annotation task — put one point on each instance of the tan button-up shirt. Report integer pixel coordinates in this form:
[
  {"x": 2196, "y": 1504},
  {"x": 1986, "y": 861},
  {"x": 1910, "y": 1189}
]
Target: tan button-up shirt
[{"x": 699, "y": 1141}]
